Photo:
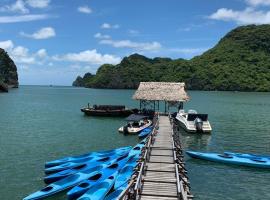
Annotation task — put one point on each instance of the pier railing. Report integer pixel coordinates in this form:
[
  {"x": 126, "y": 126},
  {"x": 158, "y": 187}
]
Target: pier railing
[
  {"x": 134, "y": 188},
  {"x": 183, "y": 185},
  {"x": 135, "y": 185}
]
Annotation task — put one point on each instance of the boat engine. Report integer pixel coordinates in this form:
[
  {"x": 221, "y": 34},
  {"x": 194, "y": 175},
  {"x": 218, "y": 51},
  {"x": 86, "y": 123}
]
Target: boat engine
[
  {"x": 125, "y": 129},
  {"x": 198, "y": 124}
]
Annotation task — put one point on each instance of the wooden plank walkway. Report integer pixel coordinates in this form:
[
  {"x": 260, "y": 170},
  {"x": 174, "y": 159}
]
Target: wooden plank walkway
[{"x": 160, "y": 176}]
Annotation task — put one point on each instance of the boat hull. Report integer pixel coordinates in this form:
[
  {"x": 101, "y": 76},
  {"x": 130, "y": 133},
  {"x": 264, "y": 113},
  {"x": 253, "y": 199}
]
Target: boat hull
[
  {"x": 106, "y": 113},
  {"x": 133, "y": 130},
  {"x": 189, "y": 130},
  {"x": 231, "y": 159}
]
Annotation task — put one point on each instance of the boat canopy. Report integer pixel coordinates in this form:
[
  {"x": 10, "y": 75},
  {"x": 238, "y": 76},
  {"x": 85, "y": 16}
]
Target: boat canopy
[
  {"x": 135, "y": 117},
  {"x": 109, "y": 107}
]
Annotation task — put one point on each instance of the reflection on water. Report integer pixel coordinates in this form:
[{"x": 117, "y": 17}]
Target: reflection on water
[{"x": 193, "y": 141}]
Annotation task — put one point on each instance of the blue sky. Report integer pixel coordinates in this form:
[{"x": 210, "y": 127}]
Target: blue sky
[{"x": 53, "y": 41}]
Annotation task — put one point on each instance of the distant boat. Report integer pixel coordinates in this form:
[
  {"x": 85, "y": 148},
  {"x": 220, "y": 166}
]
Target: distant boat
[
  {"x": 193, "y": 122},
  {"x": 108, "y": 111},
  {"x": 135, "y": 124},
  {"x": 231, "y": 159}
]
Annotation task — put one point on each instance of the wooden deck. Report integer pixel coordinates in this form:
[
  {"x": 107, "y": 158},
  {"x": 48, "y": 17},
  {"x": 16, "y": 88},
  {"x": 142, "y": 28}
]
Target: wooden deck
[
  {"x": 160, "y": 179},
  {"x": 161, "y": 173}
]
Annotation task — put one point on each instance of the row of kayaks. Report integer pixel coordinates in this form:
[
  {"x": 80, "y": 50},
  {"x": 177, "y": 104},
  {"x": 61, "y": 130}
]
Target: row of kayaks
[
  {"x": 96, "y": 175},
  {"x": 250, "y": 160}
]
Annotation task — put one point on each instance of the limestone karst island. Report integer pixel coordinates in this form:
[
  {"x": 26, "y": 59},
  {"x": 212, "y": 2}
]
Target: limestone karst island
[{"x": 129, "y": 100}]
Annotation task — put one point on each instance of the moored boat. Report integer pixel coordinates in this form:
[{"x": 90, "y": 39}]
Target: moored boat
[
  {"x": 231, "y": 159},
  {"x": 87, "y": 157},
  {"x": 135, "y": 124},
  {"x": 193, "y": 122},
  {"x": 107, "y": 111}
]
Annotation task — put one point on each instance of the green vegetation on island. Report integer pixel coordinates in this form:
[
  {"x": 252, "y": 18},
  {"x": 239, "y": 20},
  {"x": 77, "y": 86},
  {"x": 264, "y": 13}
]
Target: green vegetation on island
[
  {"x": 8, "y": 72},
  {"x": 239, "y": 62}
]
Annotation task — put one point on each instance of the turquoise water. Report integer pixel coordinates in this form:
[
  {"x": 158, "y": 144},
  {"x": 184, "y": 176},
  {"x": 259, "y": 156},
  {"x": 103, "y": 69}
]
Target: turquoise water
[{"x": 38, "y": 124}]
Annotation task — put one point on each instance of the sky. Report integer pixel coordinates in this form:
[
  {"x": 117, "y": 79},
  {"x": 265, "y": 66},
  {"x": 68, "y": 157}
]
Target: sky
[{"x": 54, "y": 41}]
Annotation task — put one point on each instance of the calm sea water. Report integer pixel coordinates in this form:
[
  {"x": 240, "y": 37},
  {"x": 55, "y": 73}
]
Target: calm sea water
[{"x": 38, "y": 124}]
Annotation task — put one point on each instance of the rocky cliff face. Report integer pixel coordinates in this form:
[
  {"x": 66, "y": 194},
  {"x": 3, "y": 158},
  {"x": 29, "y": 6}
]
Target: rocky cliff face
[{"x": 8, "y": 72}]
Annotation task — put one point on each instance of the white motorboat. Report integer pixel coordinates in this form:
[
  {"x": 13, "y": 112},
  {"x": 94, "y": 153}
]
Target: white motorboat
[
  {"x": 193, "y": 122},
  {"x": 135, "y": 124}
]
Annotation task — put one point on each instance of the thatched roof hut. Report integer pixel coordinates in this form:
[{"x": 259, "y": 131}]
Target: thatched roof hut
[{"x": 161, "y": 91}]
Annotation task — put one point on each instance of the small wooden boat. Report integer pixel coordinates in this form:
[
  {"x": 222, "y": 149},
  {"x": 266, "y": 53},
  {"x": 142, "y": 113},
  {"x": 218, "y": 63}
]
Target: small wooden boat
[
  {"x": 193, "y": 122},
  {"x": 145, "y": 132},
  {"x": 99, "y": 190},
  {"x": 135, "y": 124},
  {"x": 231, "y": 159},
  {"x": 107, "y": 111},
  {"x": 85, "y": 185},
  {"x": 81, "y": 167},
  {"x": 87, "y": 157},
  {"x": 66, "y": 183}
]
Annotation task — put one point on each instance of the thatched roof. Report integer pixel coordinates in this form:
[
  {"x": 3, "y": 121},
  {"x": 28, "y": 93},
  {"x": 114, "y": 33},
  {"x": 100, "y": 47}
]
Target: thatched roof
[{"x": 163, "y": 91}]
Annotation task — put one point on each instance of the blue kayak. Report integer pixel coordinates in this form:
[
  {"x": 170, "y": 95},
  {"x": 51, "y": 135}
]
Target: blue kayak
[
  {"x": 81, "y": 167},
  {"x": 74, "y": 165},
  {"x": 126, "y": 172},
  {"x": 231, "y": 159},
  {"x": 247, "y": 155},
  {"x": 85, "y": 185},
  {"x": 138, "y": 148},
  {"x": 66, "y": 183},
  {"x": 145, "y": 132},
  {"x": 99, "y": 190},
  {"x": 115, "y": 194},
  {"x": 86, "y": 157}
]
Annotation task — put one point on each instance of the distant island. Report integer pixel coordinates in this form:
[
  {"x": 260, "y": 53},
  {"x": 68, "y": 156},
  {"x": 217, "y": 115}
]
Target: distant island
[
  {"x": 8, "y": 72},
  {"x": 239, "y": 62}
]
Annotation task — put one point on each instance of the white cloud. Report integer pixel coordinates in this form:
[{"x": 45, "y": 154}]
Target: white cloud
[
  {"x": 22, "y": 18},
  {"x": 8, "y": 44},
  {"x": 42, "y": 53},
  {"x": 247, "y": 16},
  {"x": 101, "y": 36},
  {"x": 88, "y": 56},
  {"x": 38, "y": 3},
  {"x": 85, "y": 9},
  {"x": 43, "y": 33},
  {"x": 18, "y": 6},
  {"x": 140, "y": 46},
  {"x": 21, "y": 54},
  {"x": 258, "y": 2},
  {"x": 133, "y": 32},
  {"x": 109, "y": 26}
]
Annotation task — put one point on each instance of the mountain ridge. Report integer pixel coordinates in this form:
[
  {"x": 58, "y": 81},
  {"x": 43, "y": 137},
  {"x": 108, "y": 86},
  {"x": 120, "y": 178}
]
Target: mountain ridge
[{"x": 240, "y": 61}]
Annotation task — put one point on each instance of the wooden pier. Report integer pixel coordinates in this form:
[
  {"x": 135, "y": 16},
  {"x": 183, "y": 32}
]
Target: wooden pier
[{"x": 161, "y": 173}]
